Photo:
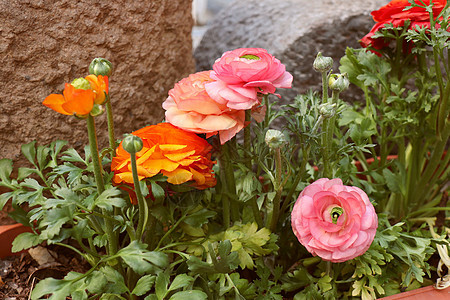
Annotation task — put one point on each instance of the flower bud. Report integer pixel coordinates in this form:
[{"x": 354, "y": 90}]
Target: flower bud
[
  {"x": 81, "y": 84},
  {"x": 322, "y": 63},
  {"x": 339, "y": 82},
  {"x": 132, "y": 144},
  {"x": 97, "y": 110},
  {"x": 327, "y": 110},
  {"x": 274, "y": 138},
  {"x": 100, "y": 66}
]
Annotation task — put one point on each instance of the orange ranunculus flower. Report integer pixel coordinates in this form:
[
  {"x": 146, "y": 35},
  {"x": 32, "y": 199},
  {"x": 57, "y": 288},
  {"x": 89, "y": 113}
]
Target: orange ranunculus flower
[
  {"x": 73, "y": 101},
  {"x": 191, "y": 108},
  {"x": 99, "y": 84},
  {"x": 394, "y": 13},
  {"x": 181, "y": 156}
]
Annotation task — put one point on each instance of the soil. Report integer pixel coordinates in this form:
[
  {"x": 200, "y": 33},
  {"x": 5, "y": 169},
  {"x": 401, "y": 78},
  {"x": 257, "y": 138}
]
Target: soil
[{"x": 20, "y": 273}]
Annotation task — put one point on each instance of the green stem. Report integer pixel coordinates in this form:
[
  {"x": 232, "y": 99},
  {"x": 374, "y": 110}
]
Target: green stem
[
  {"x": 225, "y": 195},
  {"x": 273, "y": 216},
  {"x": 142, "y": 204},
  {"x": 325, "y": 130},
  {"x": 109, "y": 115},
  {"x": 169, "y": 232},
  {"x": 112, "y": 244},
  {"x": 329, "y": 268},
  {"x": 249, "y": 165}
]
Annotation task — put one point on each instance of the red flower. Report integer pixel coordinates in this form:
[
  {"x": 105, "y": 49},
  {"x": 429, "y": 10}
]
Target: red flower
[{"x": 394, "y": 13}]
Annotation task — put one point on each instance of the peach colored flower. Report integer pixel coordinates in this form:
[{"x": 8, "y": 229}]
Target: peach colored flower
[
  {"x": 189, "y": 107},
  {"x": 99, "y": 84},
  {"x": 334, "y": 221},
  {"x": 243, "y": 73},
  {"x": 394, "y": 13},
  {"x": 73, "y": 101},
  {"x": 181, "y": 156}
]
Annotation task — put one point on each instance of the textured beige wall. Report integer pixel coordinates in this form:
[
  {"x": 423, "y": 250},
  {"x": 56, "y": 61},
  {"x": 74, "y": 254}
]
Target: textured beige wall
[{"x": 45, "y": 43}]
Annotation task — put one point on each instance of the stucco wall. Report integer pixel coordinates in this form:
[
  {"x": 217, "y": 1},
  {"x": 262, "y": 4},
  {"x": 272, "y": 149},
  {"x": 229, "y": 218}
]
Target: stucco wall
[{"x": 45, "y": 43}]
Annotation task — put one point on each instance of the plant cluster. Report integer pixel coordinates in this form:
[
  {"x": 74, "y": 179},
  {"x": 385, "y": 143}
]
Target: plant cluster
[{"x": 216, "y": 203}]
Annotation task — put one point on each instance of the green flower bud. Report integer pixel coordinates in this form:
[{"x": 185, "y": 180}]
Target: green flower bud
[
  {"x": 97, "y": 110},
  {"x": 327, "y": 110},
  {"x": 81, "y": 84},
  {"x": 100, "y": 66},
  {"x": 322, "y": 63},
  {"x": 132, "y": 144},
  {"x": 339, "y": 82},
  {"x": 274, "y": 138},
  {"x": 250, "y": 56},
  {"x": 335, "y": 213}
]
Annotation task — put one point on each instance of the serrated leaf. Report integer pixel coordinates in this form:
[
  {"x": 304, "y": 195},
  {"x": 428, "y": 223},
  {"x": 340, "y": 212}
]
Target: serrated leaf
[
  {"x": 191, "y": 295},
  {"x": 162, "y": 281},
  {"x": 59, "y": 289},
  {"x": 157, "y": 191},
  {"x": 4, "y": 197},
  {"x": 108, "y": 199},
  {"x": 144, "y": 284},
  {"x": 141, "y": 260},
  {"x": 25, "y": 172},
  {"x": 42, "y": 156},
  {"x": 25, "y": 240},
  {"x": 96, "y": 282},
  {"x": 29, "y": 151},
  {"x": 199, "y": 217},
  {"x": 6, "y": 167},
  {"x": 181, "y": 281},
  {"x": 118, "y": 286},
  {"x": 73, "y": 156}
]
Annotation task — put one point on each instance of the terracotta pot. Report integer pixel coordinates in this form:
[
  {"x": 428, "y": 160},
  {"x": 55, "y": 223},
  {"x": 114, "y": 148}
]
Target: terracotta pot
[
  {"x": 7, "y": 235},
  {"x": 428, "y": 293}
]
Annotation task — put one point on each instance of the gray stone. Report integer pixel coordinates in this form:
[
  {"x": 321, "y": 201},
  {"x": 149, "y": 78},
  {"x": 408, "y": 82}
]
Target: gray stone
[{"x": 292, "y": 30}]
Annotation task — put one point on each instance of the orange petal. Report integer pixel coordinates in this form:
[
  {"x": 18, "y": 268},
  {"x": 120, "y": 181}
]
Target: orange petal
[
  {"x": 55, "y": 101},
  {"x": 198, "y": 177},
  {"x": 171, "y": 147},
  {"x": 156, "y": 165},
  {"x": 145, "y": 155},
  {"x": 178, "y": 176},
  {"x": 79, "y": 102},
  {"x": 178, "y": 156}
]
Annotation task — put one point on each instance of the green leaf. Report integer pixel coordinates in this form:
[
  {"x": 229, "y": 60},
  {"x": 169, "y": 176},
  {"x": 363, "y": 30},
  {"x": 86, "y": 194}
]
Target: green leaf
[
  {"x": 25, "y": 172},
  {"x": 162, "y": 281},
  {"x": 108, "y": 199},
  {"x": 393, "y": 181},
  {"x": 112, "y": 297},
  {"x": 59, "y": 289},
  {"x": 144, "y": 284},
  {"x": 157, "y": 191},
  {"x": 96, "y": 282},
  {"x": 191, "y": 295},
  {"x": 29, "y": 150},
  {"x": 199, "y": 217},
  {"x": 118, "y": 285},
  {"x": 25, "y": 240},
  {"x": 42, "y": 156},
  {"x": 181, "y": 281},
  {"x": 4, "y": 198},
  {"x": 6, "y": 167},
  {"x": 73, "y": 156},
  {"x": 141, "y": 260}
]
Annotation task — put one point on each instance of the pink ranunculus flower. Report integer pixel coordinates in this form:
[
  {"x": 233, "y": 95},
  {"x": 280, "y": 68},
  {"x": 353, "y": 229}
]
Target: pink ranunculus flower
[
  {"x": 189, "y": 107},
  {"x": 334, "y": 221},
  {"x": 243, "y": 73}
]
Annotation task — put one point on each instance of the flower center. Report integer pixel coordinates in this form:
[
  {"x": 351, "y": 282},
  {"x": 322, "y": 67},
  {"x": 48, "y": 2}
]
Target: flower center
[
  {"x": 335, "y": 213},
  {"x": 250, "y": 56}
]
